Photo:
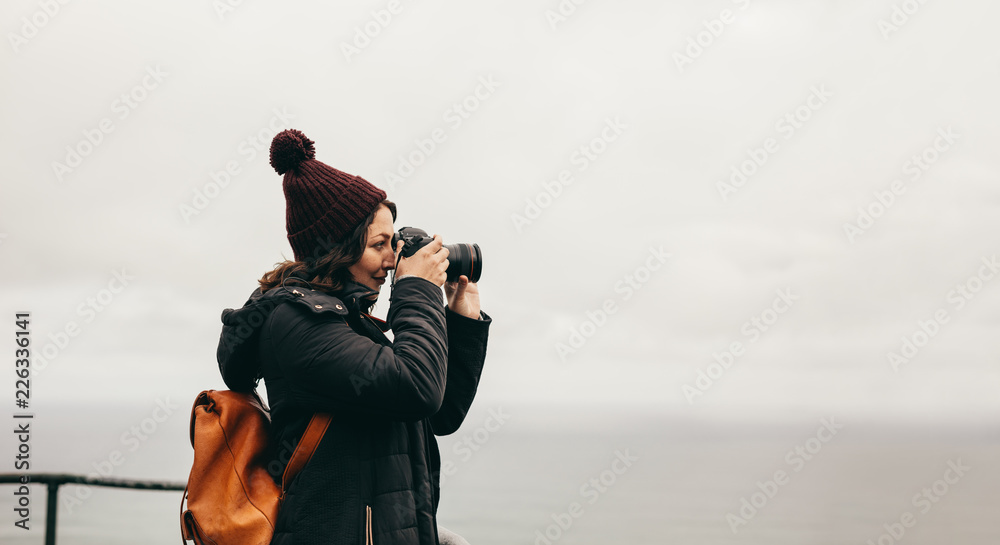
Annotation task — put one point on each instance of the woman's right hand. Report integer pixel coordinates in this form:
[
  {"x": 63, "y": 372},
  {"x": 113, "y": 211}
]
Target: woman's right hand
[{"x": 429, "y": 262}]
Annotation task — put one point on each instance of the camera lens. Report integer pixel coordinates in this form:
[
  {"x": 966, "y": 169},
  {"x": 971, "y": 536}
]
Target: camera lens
[{"x": 464, "y": 259}]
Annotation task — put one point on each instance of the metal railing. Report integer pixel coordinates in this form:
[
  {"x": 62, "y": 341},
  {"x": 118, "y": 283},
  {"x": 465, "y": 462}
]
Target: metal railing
[{"x": 54, "y": 480}]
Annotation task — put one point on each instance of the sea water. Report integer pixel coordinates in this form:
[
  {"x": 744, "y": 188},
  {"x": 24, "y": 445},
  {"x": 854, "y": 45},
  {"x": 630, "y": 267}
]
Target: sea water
[{"x": 510, "y": 477}]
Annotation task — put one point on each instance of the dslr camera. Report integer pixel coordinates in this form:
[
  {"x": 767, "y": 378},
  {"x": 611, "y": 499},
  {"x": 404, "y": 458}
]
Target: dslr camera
[{"x": 463, "y": 258}]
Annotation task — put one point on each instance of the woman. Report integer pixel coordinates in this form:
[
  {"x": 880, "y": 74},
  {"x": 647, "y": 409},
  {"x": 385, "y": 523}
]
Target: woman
[{"x": 307, "y": 331}]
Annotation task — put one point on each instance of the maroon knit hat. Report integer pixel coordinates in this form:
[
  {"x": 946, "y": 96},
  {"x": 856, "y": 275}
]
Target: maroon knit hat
[{"x": 323, "y": 204}]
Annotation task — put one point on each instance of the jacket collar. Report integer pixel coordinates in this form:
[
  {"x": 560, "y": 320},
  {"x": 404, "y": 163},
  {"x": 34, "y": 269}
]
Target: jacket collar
[{"x": 352, "y": 293}]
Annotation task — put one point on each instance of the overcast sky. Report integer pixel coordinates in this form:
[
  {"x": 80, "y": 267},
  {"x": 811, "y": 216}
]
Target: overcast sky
[{"x": 645, "y": 179}]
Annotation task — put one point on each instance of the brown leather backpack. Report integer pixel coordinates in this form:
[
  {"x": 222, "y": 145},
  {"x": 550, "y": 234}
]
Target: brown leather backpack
[{"x": 231, "y": 496}]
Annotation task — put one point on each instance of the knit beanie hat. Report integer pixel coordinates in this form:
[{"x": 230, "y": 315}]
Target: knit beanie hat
[{"x": 322, "y": 204}]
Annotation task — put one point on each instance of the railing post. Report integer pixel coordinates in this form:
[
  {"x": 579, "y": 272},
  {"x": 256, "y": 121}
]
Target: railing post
[{"x": 52, "y": 499}]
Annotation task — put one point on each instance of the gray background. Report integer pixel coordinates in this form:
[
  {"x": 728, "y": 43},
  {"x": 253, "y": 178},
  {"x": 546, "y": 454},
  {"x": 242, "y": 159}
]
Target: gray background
[{"x": 888, "y": 93}]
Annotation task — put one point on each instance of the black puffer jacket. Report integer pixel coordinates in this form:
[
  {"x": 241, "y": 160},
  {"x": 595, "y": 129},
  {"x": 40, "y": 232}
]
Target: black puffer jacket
[{"x": 388, "y": 399}]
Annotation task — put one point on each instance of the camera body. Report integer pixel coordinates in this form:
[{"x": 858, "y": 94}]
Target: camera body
[{"x": 463, "y": 258}]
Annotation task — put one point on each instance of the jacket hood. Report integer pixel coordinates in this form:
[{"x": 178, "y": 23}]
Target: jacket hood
[{"x": 237, "y": 354}]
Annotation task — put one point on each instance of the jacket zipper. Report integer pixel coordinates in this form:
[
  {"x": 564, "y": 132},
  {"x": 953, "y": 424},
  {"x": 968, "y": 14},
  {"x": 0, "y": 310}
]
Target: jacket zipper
[{"x": 368, "y": 526}]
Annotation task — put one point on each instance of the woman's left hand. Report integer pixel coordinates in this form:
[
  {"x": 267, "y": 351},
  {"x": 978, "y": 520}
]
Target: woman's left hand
[{"x": 463, "y": 297}]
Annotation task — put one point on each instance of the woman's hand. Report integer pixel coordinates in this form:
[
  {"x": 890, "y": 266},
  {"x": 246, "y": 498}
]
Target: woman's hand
[
  {"x": 463, "y": 297},
  {"x": 429, "y": 262}
]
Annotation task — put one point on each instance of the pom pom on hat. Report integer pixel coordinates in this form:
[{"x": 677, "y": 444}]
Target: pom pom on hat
[{"x": 289, "y": 148}]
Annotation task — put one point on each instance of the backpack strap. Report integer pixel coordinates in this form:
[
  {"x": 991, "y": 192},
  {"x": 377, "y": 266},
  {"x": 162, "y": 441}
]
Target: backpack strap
[{"x": 305, "y": 449}]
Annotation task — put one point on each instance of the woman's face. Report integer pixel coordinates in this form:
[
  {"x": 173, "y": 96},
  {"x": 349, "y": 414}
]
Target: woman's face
[{"x": 378, "y": 258}]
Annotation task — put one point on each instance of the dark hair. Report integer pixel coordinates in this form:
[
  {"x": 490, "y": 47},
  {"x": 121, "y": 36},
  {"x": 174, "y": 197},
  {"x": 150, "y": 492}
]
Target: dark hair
[{"x": 327, "y": 268}]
